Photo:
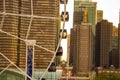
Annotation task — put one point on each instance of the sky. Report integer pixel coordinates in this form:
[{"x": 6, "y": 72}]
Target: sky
[{"x": 110, "y": 12}]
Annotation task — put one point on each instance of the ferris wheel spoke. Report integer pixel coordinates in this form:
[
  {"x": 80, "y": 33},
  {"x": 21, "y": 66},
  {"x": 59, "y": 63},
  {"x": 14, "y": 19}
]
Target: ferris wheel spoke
[{"x": 31, "y": 19}]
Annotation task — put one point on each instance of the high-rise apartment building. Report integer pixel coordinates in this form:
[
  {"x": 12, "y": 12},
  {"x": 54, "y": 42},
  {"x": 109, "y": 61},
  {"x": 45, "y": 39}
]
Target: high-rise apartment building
[
  {"x": 82, "y": 48},
  {"x": 44, "y": 29},
  {"x": 104, "y": 32}
]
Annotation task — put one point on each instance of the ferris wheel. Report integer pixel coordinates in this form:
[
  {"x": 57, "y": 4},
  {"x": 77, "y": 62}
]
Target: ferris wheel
[{"x": 21, "y": 38}]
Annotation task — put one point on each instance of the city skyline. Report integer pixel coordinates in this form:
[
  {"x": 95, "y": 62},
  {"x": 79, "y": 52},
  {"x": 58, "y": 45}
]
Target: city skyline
[
  {"x": 110, "y": 12},
  {"x": 31, "y": 46},
  {"x": 112, "y": 15}
]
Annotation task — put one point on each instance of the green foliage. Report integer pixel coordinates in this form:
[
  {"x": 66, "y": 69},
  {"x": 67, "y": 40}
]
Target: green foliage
[
  {"x": 107, "y": 76},
  {"x": 83, "y": 75}
]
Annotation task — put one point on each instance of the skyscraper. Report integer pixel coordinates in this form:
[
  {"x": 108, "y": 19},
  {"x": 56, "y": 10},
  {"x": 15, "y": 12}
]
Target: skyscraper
[
  {"x": 77, "y": 13},
  {"x": 104, "y": 31},
  {"x": 119, "y": 42},
  {"x": 82, "y": 48},
  {"x": 44, "y": 29}
]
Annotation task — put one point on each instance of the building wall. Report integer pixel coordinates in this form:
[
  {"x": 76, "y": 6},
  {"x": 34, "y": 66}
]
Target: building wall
[
  {"x": 43, "y": 30},
  {"x": 8, "y": 45},
  {"x": 104, "y": 31}
]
